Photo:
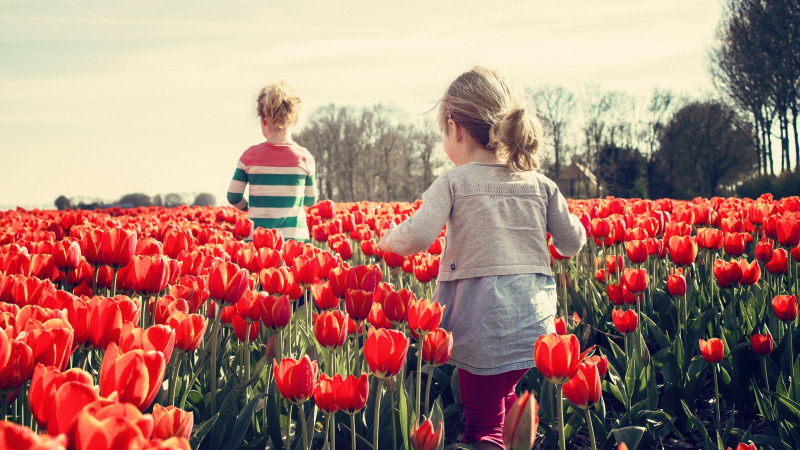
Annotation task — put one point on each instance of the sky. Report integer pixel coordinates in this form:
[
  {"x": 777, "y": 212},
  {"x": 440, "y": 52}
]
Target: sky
[{"x": 103, "y": 98}]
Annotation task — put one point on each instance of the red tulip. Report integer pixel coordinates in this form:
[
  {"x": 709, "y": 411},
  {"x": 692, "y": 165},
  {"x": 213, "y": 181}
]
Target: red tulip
[
  {"x": 377, "y": 318},
  {"x": 105, "y": 425},
  {"x": 437, "y": 347},
  {"x": 351, "y": 393},
  {"x": 330, "y": 329},
  {"x": 635, "y": 280},
  {"x": 788, "y": 231},
  {"x": 151, "y": 274},
  {"x": 561, "y": 325},
  {"x": 743, "y": 446},
  {"x": 66, "y": 255},
  {"x": 275, "y": 311},
  {"x": 682, "y": 250},
  {"x": 601, "y": 362},
  {"x": 713, "y": 350},
  {"x": 189, "y": 330},
  {"x": 159, "y": 338},
  {"x": 676, "y": 283},
  {"x": 761, "y": 344},
  {"x": 521, "y": 422},
  {"x": 177, "y": 241},
  {"x": 117, "y": 247},
  {"x": 358, "y": 303},
  {"x": 227, "y": 283},
  {"x": 779, "y": 262},
  {"x": 296, "y": 378},
  {"x": 323, "y": 296},
  {"x": 268, "y": 238},
  {"x": 751, "y": 272},
  {"x": 172, "y": 421},
  {"x": 395, "y": 305},
  {"x": 324, "y": 393},
  {"x": 422, "y": 437},
  {"x": 243, "y": 228},
  {"x": 584, "y": 389},
  {"x": 734, "y": 244},
  {"x": 136, "y": 375},
  {"x": 18, "y": 437},
  {"x": 557, "y": 357},
  {"x": 601, "y": 228},
  {"x": 637, "y": 251},
  {"x": 50, "y": 341},
  {"x": 18, "y": 366},
  {"x": 764, "y": 249},
  {"x": 625, "y": 321},
  {"x": 385, "y": 351},
  {"x": 785, "y": 307},
  {"x": 727, "y": 273},
  {"x": 424, "y": 316},
  {"x": 46, "y": 383}
]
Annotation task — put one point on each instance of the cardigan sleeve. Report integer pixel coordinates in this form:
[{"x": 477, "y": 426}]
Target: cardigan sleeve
[
  {"x": 419, "y": 231},
  {"x": 568, "y": 233}
]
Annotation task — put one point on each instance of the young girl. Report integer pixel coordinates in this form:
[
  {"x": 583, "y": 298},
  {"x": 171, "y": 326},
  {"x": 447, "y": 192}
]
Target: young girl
[
  {"x": 494, "y": 278},
  {"x": 281, "y": 173}
]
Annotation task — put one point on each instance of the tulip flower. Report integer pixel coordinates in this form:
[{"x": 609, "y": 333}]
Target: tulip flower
[
  {"x": 324, "y": 393},
  {"x": 734, "y": 244},
  {"x": 275, "y": 311},
  {"x": 423, "y": 437},
  {"x": 330, "y": 329},
  {"x": 785, "y": 307},
  {"x": 117, "y": 247},
  {"x": 18, "y": 367},
  {"x": 151, "y": 274},
  {"x": 561, "y": 325},
  {"x": 601, "y": 228},
  {"x": 66, "y": 255},
  {"x": 788, "y": 231},
  {"x": 376, "y": 316},
  {"x": 351, "y": 392},
  {"x": 764, "y": 249},
  {"x": 46, "y": 387},
  {"x": 635, "y": 280},
  {"x": 637, "y": 251},
  {"x": 172, "y": 421},
  {"x": 18, "y": 437},
  {"x": 778, "y": 264},
  {"x": 358, "y": 303},
  {"x": 676, "y": 283},
  {"x": 761, "y": 344},
  {"x": 584, "y": 389},
  {"x": 385, "y": 351},
  {"x": 743, "y": 446},
  {"x": 189, "y": 330},
  {"x": 268, "y": 238},
  {"x": 682, "y": 250},
  {"x": 110, "y": 427},
  {"x": 395, "y": 305},
  {"x": 521, "y": 423},
  {"x": 50, "y": 341},
  {"x": 437, "y": 347},
  {"x": 227, "y": 283},
  {"x": 424, "y": 315},
  {"x": 625, "y": 321},
  {"x": 136, "y": 375},
  {"x": 751, "y": 272},
  {"x": 296, "y": 378},
  {"x": 727, "y": 273},
  {"x": 713, "y": 350},
  {"x": 323, "y": 296},
  {"x": 601, "y": 362}
]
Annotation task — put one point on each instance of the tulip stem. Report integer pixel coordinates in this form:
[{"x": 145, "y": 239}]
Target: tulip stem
[
  {"x": 114, "y": 282},
  {"x": 303, "y": 425},
  {"x": 332, "y": 427},
  {"x": 377, "y": 415},
  {"x": 289, "y": 426},
  {"x": 716, "y": 400},
  {"x": 94, "y": 280},
  {"x": 173, "y": 379},
  {"x": 246, "y": 355},
  {"x": 790, "y": 336},
  {"x": 419, "y": 376},
  {"x": 591, "y": 428},
  {"x": 764, "y": 370},
  {"x": 213, "y": 369},
  {"x": 428, "y": 392},
  {"x": 4, "y": 405},
  {"x": 562, "y": 440},
  {"x": 353, "y": 431}
]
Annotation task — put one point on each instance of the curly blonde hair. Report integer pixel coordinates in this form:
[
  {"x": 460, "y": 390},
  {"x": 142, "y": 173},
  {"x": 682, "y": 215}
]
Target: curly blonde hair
[
  {"x": 498, "y": 117},
  {"x": 278, "y": 103}
]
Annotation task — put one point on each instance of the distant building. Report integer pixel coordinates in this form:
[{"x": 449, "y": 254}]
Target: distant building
[{"x": 577, "y": 181}]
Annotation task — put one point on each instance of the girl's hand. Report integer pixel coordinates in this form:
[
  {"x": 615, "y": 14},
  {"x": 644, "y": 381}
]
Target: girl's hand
[{"x": 384, "y": 244}]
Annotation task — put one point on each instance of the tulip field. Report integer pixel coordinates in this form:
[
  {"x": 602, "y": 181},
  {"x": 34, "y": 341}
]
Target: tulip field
[{"x": 156, "y": 328}]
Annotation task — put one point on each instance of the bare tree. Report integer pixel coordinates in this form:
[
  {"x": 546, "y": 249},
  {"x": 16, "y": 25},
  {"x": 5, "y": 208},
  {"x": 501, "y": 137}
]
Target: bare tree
[{"x": 556, "y": 105}]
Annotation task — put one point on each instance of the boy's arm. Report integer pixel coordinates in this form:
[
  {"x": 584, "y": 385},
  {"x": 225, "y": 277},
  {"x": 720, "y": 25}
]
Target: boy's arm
[{"x": 236, "y": 188}]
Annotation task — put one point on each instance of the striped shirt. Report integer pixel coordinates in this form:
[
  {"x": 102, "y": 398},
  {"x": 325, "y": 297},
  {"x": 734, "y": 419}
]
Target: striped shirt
[{"x": 282, "y": 182}]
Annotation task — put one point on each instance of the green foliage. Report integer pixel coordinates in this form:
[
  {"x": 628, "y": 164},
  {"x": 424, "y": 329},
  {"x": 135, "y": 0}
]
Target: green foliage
[{"x": 784, "y": 185}]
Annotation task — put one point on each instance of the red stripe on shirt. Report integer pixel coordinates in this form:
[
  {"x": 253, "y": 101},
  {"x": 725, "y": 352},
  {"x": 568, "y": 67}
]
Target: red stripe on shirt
[{"x": 274, "y": 155}]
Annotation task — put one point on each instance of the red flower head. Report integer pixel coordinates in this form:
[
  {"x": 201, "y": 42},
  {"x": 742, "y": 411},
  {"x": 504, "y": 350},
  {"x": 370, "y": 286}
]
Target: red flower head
[
  {"x": 751, "y": 272},
  {"x": 727, "y": 273},
  {"x": 18, "y": 437},
  {"x": 561, "y": 326},
  {"x": 734, "y": 244},
  {"x": 637, "y": 251},
  {"x": 713, "y": 350},
  {"x": 243, "y": 228},
  {"x": 424, "y": 316},
  {"x": 263, "y": 238},
  {"x": 66, "y": 255},
  {"x": 46, "y": 382},
  {"x": 761, "y": 344},
  {"x": 275, "y": 311},
  {"x": 151, "y": 274},
  {"x": 117, "y": 247},
  {"x": 296, "y": 378},
  {"x": 422, "y": 437},
  {"x": 395, "y": 305},
  {"x": 351, "y": 393},
  {"x": 437, "y": 347},
  {"x": 377, "y": 318},
  {"x": 779, "y": 262},
  {"x": 788, "y": 231},
  {"x": 160, "y": 338},
  {"x": 682, "y": 250},
  {"x": 385, "y": 351},
  {"x": 227, "y": 283},
  {"x": 323, "y": 296},
  {"x": 330, "y": 329},
  {"x": 189, "y": 330},
  {"x": 785, "y": 307},
  {"x": 584, "y": 389},
  {"x": 676, "y": 283},
  {"x": 557, "y": 357},
  {"x": 172, "y": 422},
  {"x": 522, "y": 422},
  {"x": 625, "y": 321},
  {"x": 136, "y": 375},
  {"x": 764, "y": 249},
  {"x": 601, "y": 228},
  {"x": 635, "y": 280},
  {"x": 324, "y": 393}
]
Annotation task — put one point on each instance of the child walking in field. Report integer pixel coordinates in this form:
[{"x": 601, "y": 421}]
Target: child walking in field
[
  {"x": 281, "y": 174},
  {"x": 494, "y": 277}
]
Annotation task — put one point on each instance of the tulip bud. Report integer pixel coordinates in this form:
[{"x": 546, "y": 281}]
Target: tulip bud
[{"x": 521, "y": 423}]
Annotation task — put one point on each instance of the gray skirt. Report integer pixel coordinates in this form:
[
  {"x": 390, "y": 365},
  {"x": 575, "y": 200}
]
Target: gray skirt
[{"x": 495, "y": 320}]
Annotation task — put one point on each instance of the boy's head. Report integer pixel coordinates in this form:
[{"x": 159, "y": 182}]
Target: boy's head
[{"x": 278, "y": 104}]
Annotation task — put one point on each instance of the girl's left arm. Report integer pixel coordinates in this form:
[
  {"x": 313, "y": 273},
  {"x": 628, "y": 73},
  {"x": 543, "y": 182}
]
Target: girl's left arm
[
  {"x": 419, "y": 231},
  {"x": 310, "y": 198}
]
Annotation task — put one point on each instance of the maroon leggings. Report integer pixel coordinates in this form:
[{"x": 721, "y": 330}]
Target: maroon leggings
[{"x": 486, "y": 400}]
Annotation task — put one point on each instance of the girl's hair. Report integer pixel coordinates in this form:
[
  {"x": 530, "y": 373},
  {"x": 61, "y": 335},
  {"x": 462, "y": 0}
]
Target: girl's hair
[
  {"x": 278, "y": 103},
  {"x": 496, "y": 116}
]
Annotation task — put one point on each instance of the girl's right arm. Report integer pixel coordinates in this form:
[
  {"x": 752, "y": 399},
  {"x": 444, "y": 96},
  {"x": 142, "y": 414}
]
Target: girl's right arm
[
  {"x": 419, "y": 231},
  {"x": 568, "y": 233},
  {"x": 236, "y": 188}
]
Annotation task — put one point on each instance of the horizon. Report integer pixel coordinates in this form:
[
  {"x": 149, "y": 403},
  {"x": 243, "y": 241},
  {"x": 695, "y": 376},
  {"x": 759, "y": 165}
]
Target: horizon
[{"x": 102, "y": 100}]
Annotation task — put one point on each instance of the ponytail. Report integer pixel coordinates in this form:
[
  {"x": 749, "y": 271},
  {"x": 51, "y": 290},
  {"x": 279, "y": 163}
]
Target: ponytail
[{"x": 517, "y": 134}]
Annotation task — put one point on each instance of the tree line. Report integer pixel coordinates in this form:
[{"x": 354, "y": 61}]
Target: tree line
[{"x": 135, "y": 200}]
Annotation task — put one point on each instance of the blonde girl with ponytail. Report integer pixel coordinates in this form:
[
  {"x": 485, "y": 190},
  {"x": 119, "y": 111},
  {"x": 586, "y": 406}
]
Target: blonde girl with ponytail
[
  {"x": 494, "y": 281},
  {"x": 281, "y": 174}
]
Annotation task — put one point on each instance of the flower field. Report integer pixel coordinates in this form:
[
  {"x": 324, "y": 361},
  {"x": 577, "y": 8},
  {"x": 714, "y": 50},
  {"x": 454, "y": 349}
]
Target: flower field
[{"x": 160, "y": 328}]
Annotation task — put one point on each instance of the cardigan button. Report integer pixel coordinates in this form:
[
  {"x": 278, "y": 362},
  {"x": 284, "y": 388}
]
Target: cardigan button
[{"x": 452, "y": 267}]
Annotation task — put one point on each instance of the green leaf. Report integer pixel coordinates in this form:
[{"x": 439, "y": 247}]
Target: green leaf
[
  {"x": 274, "y": 418},
  {"x": 655, "y": 332},
  {"x": 242, "y": 423},
  {"x": 202, "y": 431},
  {"x": 404, "y": 414},
  {"x": 771, "y": 441},
  {"x": 629, "y": 435},
  {"x": 793, "y": 406},
  {"x": 695, "y": 423}
]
